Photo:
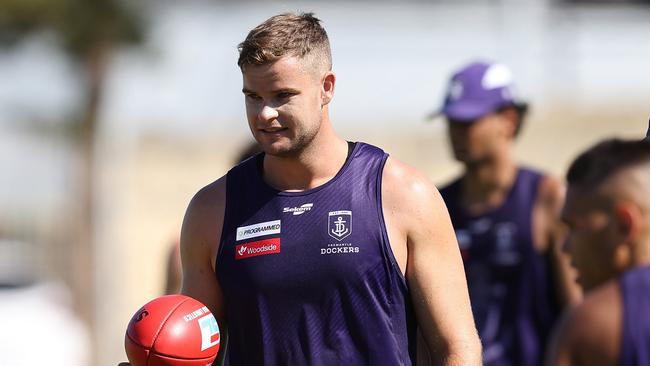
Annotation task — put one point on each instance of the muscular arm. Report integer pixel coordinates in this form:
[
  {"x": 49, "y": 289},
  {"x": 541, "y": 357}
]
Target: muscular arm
[
  {"x": 200, "y": 237},
  {"x": 434, "y": 271},
  {"x": 550, "y": 235}
]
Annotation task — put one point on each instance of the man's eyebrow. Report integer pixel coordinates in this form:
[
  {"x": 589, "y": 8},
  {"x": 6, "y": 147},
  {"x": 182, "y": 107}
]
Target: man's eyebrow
[
  {"x": 276, "y": 91},
  {"x": 286, "y": 90}
]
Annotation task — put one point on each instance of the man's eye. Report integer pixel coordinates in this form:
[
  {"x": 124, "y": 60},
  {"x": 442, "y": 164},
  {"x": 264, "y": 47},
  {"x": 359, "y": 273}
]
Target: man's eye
[
  {"x": 284, "y": 95},
  {"x": 253, "y": 96}
]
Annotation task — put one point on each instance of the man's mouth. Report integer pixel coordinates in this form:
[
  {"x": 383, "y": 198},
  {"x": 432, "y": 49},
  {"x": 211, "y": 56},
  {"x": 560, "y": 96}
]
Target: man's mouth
[{"x": 273, "y": 129}]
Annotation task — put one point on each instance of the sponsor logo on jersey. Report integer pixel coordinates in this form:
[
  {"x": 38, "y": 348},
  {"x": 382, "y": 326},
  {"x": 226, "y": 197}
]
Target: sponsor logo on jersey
[
  {"x": 339, "y": 224},
  {"x": 256, "y": 230},
  {"x": 210, "y": 335},
  {"x": 298, "y": 210},
  {"x": 257, "y": 248},
  {"x": 506, "y": 252},
  {"x": 480, "y": 226}
]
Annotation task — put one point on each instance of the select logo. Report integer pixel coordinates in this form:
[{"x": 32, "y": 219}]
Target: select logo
[{"x": 257, "y": 248}]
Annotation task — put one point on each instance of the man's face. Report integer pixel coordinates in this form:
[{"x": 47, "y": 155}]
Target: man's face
[
  {"x": 283, "y": 104},
  {"x": 592, "y": 241},
  {"x": 475, "y": 141}
]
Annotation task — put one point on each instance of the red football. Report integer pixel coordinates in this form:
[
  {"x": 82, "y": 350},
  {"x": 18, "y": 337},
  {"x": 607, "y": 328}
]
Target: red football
[{"x": 172, "y": 330}]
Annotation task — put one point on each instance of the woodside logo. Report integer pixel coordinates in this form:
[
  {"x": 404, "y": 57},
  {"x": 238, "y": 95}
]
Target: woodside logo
[{"x": 257, "y": 248}]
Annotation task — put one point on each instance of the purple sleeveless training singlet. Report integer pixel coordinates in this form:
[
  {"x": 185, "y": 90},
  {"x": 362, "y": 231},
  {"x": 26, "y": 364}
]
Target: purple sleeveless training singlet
[
  {"x": 509, "y": 282},
  {"x": 635, "y": 343},
  {"x": 309, "y": 277}
]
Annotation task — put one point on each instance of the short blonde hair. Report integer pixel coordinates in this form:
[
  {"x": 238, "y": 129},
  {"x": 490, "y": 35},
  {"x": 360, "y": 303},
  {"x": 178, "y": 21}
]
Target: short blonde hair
[{"x": 288, "y": 34}]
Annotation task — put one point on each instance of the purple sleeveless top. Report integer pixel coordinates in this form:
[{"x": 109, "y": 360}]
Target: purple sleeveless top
[
  {"x": 635, "y": 343},
  {"x": 309, "y": 277},
  {"x": 509, "y": 282}
]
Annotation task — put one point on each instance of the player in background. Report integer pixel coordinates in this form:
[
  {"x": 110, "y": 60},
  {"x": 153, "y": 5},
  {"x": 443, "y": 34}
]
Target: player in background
[
  {"x": 506, "y": 219},
  {"x": 608, "y": 212}
]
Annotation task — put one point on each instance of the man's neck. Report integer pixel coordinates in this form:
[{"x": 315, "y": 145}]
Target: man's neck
[
  {"x": 641, "y": 252},
  {"x": 486, "y": 185},
  {"x": 313, "y": 167}
]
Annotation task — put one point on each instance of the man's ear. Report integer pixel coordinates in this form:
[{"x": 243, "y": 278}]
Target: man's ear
[
  {"x": 327, "y": 87},
  {"x": 629, "y": 221}
]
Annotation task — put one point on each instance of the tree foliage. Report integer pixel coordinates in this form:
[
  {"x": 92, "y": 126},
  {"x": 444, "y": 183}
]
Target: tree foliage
[{"x": 80, "y": 25}]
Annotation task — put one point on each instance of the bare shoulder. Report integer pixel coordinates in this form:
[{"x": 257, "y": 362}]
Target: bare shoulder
[
  {"x": 551, "y": 193},
  {"x": 413, "y": 203},
  {"x": 548, "y": 205},
  {"x": 205, "y": 211},
  {"x": 202, "y": 224},
  {"x": 591, "y": 333},
  {"x": 209, "y": 198},
  {"x": 407, "y": 187}
]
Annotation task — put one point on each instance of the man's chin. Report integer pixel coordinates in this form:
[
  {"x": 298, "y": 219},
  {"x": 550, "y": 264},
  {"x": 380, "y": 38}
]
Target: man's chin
[
  {"x": 469, "y": 160},
  {"x": 588, "y": 285},
  {"x": 465, "y": 159},
  {"x": 279, "y": 151}
]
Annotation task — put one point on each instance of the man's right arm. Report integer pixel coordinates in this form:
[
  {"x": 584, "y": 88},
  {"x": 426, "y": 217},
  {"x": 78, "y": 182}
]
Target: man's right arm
[{"x": 200, "y": 237}]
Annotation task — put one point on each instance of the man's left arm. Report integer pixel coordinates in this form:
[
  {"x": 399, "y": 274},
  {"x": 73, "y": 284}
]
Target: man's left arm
[{"x": 434, "y": 268}]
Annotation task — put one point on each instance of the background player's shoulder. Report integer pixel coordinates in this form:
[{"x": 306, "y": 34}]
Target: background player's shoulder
[
  {"x": 594, "y": 327},
  {"x": 551, "y": 193}
]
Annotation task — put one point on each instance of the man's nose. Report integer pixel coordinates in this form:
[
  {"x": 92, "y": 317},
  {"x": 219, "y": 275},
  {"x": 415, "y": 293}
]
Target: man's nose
[{"x": 267, "y": 113}]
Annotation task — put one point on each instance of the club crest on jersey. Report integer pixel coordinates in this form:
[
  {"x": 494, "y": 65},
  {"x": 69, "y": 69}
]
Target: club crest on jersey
[
  {"x": 339, "y": 224},
  {"x": 506, "y": 252}
]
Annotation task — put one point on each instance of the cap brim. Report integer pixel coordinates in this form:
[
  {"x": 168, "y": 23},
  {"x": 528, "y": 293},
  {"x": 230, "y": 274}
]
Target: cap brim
[
  {"x": 461, "y": 111},
  {"x": 470, "y": 112},
  {"x": 433, "y": 115},
  {"x": 467, "y": 111}
]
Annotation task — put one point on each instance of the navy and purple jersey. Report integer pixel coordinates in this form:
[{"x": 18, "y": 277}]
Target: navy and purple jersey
[
  {"x": 309, "y": 277},
  {"x": 635, "y": 343},
  {"x": 509, "y": 282}
]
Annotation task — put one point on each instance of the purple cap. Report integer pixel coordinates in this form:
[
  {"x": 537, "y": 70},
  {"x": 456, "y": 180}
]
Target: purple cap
[{"x": 478, "y": 89}]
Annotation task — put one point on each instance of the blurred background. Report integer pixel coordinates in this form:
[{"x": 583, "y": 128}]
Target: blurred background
[{"x": 114, "y": 113}]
